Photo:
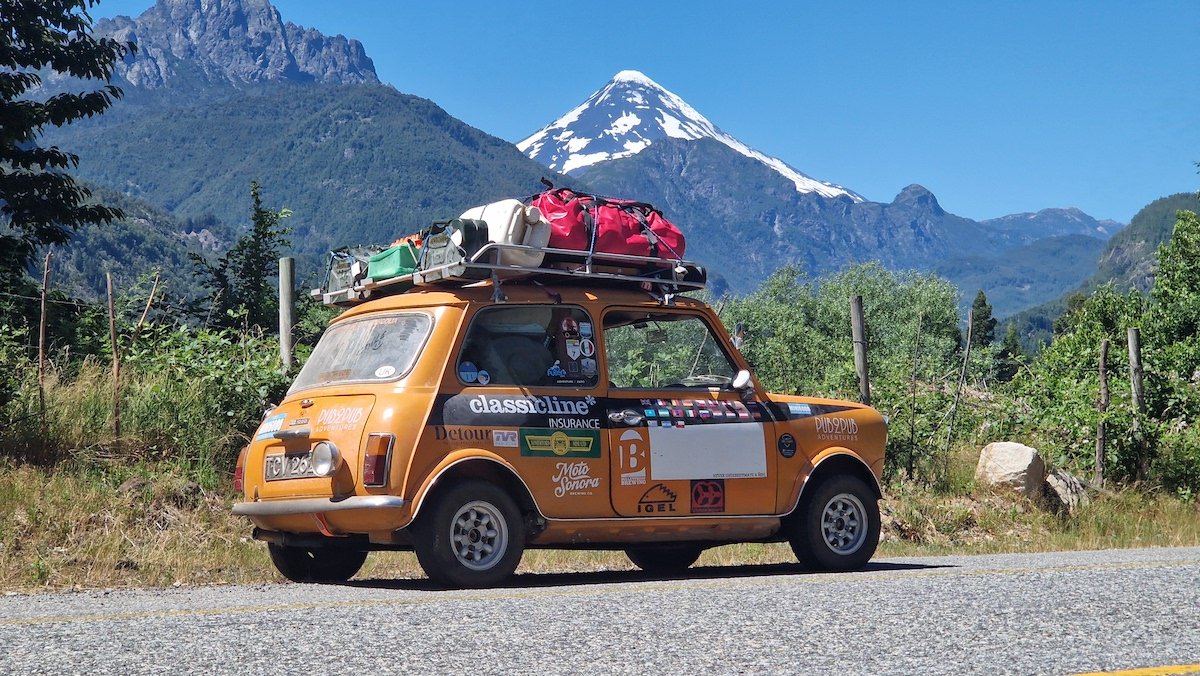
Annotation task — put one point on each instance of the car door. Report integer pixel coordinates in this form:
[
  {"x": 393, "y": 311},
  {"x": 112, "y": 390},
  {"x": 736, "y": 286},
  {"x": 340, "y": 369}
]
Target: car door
[{"x": 682, "y": 441}]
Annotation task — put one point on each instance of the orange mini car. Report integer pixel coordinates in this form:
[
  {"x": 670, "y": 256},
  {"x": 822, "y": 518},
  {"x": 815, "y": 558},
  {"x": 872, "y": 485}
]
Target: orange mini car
[{"x": 468, "y": 422}]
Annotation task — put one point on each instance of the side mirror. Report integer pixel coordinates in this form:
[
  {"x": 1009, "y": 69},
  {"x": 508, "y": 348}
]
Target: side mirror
[{"x": 741, "y": 381}]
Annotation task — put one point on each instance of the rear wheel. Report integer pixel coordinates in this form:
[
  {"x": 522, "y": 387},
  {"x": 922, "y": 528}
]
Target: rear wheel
[
  {"x": 470, "y": 536},
  {"x": 663, "y": 559},
  {"x": 319, "y": 564},
  {"x": 836, "y": 527}
]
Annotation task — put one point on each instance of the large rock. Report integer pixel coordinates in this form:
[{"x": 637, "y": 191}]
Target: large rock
[
  {"x": 1007, "y": 463},
  {"x": 1065, "y": 492}
]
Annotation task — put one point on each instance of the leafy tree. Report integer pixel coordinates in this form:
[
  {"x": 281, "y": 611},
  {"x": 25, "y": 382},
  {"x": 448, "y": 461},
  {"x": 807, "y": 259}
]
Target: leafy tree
[
  {"x": 983, "y": 324},
  {"x": 40, "y": 203},
  {"x": 798, "y": 338},
  {"x": 240, "y": 281}
]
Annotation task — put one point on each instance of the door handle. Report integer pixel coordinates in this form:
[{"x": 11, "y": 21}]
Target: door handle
[{"x": 629, "y": 416}]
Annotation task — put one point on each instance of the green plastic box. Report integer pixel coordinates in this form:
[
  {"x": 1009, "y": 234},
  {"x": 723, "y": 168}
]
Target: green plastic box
[{"x": 393, "y": 262}]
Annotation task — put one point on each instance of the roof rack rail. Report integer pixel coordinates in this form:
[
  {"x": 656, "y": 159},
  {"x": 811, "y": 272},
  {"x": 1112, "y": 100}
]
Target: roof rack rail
[{"x": 656, "y": 275}]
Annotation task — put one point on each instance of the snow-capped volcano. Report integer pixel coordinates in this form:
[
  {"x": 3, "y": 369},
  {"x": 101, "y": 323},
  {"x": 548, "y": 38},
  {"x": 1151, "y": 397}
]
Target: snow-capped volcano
[{"x": 630, "y": 113}]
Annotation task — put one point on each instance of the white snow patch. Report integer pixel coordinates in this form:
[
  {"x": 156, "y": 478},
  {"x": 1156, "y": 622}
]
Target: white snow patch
[
  {"x": 623, "y": 124},
  {"x": 636, "y": 77},
  {"x": 577, "y": 144},
  {"x": 579, "y": 161},
  {"x": 635, "y": 147}
]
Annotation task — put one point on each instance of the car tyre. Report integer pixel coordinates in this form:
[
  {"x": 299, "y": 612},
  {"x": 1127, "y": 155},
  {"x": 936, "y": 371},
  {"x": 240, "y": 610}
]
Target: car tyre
[
  {"x": 471, "y": 535},
  {"x": 836, "y": 527},
  {"x": 663, "y": 559},
  {"x": 318, "y": 564}
]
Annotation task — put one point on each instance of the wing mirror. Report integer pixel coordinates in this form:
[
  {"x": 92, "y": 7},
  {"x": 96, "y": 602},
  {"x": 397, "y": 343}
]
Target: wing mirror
[{"x": 741, "y": 382}]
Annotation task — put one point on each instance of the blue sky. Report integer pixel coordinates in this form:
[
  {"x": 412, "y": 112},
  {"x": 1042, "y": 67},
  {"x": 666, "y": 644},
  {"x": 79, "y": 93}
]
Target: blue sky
[{"x": 997, "y": 108}]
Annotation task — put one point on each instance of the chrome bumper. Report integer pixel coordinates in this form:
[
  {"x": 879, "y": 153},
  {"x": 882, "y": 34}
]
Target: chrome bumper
[{"x": 317, "y": 505}]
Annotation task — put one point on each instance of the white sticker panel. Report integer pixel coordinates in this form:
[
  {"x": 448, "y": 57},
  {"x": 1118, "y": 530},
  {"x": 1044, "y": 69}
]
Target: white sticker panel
[{"x": 729, "y": 451}]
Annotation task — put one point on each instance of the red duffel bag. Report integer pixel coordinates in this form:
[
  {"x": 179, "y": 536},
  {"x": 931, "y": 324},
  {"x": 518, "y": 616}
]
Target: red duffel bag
[{"x": 586, "y": 222}]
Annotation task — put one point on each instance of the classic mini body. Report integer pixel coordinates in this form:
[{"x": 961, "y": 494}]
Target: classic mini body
[{"x": 469, "y": 427}]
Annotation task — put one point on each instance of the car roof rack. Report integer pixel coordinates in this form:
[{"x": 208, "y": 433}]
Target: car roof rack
[{"x": 661, "y": 277}]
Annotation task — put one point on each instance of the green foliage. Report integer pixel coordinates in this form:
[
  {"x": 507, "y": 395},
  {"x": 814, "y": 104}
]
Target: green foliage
[
  {"x": 1055, "y": 402},
  {"x": 983, "y": 324},
  {"x": 39, "y": 202},
  {"x": 189, "y": 397},
  {"x": 1011, "y": 356},
  {"x": 240, "y": 280},
  {"x": 798, "y": 339}
]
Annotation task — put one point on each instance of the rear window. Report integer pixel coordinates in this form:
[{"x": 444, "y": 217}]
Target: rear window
[{"x": 375, "y": 348}]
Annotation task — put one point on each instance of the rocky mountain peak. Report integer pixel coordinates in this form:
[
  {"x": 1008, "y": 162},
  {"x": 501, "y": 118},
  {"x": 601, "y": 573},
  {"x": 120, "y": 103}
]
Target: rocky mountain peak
[
  {"x": 629, "y": 114},
  {"x": 231, "y": 42},
  {"x": 919, "y": 196}
]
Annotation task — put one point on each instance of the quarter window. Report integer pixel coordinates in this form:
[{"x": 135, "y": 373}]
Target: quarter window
[{"x": 530, "y": 345}]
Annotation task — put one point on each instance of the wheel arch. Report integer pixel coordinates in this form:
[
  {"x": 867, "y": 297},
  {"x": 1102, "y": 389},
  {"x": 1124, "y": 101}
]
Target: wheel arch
[
  {"x": 837, "y": 462},
  {"x": 485, "y": 467}
]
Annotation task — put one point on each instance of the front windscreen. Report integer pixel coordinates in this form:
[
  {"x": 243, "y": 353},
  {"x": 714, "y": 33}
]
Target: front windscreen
[{"x": 375, "y": 348}]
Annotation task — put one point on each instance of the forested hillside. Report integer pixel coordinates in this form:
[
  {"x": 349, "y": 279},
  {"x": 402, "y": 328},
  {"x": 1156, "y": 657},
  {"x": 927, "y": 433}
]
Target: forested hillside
[
  {"x": 354, "y": 163},
  {"x": 1127, "y": 261}
]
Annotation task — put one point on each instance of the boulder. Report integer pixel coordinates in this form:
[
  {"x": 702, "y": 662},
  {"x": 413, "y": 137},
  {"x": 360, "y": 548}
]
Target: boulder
[
  {"x": 1007, "y": 463},
  {"x": 1064, "y": 492}
]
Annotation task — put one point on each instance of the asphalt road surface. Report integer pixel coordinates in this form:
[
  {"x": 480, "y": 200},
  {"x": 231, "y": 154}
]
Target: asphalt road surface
[{"x": 1060, "y": 613}]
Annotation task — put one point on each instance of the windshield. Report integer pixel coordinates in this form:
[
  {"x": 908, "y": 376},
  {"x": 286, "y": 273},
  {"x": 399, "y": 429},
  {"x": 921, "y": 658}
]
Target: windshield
[{"x": 379, "y": 347}]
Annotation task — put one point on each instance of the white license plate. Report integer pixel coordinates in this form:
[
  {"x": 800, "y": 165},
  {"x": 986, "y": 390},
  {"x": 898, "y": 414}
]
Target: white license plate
[{"x": 288, "y": 466}]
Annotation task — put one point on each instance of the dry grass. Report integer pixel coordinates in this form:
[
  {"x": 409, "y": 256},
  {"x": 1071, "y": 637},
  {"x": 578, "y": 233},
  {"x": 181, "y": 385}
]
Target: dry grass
[{"x": 76, "y": 529}]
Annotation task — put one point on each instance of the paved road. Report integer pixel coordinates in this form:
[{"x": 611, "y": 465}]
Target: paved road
[{"x": 1022, "y": 614}]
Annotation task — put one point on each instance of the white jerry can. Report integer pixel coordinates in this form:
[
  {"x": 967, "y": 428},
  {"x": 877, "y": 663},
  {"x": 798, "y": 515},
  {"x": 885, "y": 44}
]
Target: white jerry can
[{"x": 512, "y": 222}]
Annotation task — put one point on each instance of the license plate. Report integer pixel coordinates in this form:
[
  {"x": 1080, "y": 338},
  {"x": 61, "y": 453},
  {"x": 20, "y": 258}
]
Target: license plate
[{"x": 288, "y": 466}]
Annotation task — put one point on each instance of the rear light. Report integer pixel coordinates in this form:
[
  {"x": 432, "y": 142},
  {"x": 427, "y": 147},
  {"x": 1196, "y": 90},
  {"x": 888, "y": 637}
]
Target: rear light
[
  {"x": 239, "y": 471},
  {"x": 377, "y": 457}
]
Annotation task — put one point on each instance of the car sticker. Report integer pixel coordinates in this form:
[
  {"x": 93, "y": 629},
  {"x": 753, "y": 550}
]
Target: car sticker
[{"x": 467, "y": 372}]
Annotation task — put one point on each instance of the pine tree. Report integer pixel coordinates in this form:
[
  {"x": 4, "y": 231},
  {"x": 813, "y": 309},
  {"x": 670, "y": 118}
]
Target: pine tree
[
  {"x": 40, "y": 203},
  {"x": 983, "y": 325},
  {"x": 240, "y": 281}
]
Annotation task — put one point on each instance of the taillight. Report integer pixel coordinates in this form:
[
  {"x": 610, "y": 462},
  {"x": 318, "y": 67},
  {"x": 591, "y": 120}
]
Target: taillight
[
  {"x": 376, "y": 457},
  {"x": 239, "y": 471}
]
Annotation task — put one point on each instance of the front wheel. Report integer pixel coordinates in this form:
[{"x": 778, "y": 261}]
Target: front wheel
[
  {"x": 318, "y": 564},
  {"x": 470, "y": 536},
  {"x": 663, "y": 559},
  {"x": 836, "y": 527}
]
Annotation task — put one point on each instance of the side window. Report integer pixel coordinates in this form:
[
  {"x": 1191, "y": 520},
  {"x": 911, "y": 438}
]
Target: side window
[
  {"x": 529, "y": 345},
  {"x": 666, "y": 349}
]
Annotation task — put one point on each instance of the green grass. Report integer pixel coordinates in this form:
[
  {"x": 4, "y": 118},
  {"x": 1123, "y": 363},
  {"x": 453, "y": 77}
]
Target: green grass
[{"x": 153, "y": 525}]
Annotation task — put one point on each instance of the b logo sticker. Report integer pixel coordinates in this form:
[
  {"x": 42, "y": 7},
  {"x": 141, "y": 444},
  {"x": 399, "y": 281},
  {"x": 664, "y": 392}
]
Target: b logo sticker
[{"x": 632, "y": 449}]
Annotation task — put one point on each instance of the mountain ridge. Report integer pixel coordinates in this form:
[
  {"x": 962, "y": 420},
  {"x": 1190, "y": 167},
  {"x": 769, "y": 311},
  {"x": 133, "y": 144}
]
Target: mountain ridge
[{"x": 230, "y": 42}]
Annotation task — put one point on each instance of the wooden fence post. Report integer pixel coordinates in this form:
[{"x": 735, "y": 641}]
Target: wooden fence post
[
  {"x": 287, "y": 310},
  {"x": 116, "y": 365},
  {"x": 858, "y": 333},
  {"x": 45, "y": 425},
  {"x": 149, "y": 302},
  {"x": 912, "y": 393},
  {"x": 1139, "y": 398},
  {"x": 1101, "y": 407}
]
